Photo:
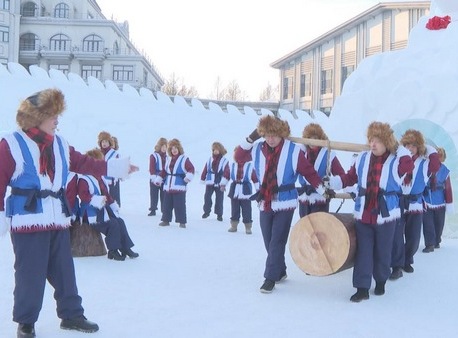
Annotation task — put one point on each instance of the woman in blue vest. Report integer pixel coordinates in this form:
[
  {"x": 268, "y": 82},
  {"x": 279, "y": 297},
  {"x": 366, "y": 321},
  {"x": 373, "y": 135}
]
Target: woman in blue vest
[
  {"x": 35, "y": 163},
  {"x": 156, "y": 166},
  {"x": 309, "y": 200},
  {"x": 438, "y": 197},
  {"x": 109, "y": 148},
  {"x": 277, "y": 162},
  {"x": 215, "y": 176},
  {"x": 378, "y": 173},
  {"x": 178, "y": 172},
  {"x": 408, "y": 230}
]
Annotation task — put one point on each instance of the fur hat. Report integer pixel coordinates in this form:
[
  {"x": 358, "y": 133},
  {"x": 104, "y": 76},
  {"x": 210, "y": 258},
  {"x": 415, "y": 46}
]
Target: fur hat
[
  {"x": 103, "y": 135},
  {"x": 442, "y": 154},
  {"x": 384, "y": 132},
  {"x": 314, "y": 130},
  {"x": 161, "y": 142},
  {"x": 218, "y": 146},
  {"x": 174, "y": 143},
  {"x": 40, "y": 106},
  {"x": 95, "y": 153},
  {"x": 271, "y": 125},
  {"x": 415, "y": 138}
]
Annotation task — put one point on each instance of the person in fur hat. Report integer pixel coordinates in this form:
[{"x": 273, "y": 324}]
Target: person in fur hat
[
  {"x": 215, "y": 176},
  {"x": 35, "y": 163},
  {"x": 438, "y": 198},
  {"x": 178, "y": 172},
  {"x": 377, "y": 173},
  {"x": 408, "y": 231},
  {"x": 156, "y": 166},
  {"x": 101, "y": 211},
  {"x": 109, "y": 146},
  {"x": 277, "y": 162},
  {"x": 309, "y": 200},
  {"x": 243, "y": 177}
]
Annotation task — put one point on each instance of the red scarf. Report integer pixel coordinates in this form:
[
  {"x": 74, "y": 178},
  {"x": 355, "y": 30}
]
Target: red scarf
[
  {"x": 269, "y": 184},
  {"x": 44, "y": 142}
]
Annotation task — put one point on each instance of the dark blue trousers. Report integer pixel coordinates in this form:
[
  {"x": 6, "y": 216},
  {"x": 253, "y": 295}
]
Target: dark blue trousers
[
  {"x": 115, "y": 191},
  {"x": 275, "y": 228},
  {"x": 116, "y": 235},
  {"x": 175, "y": 201},
  {"x": 373, "y": 253},
  {"x": 156, "y": 194},
  {"x": 398, "y": 253},
  {"x": 306, "y": 209},
  {"x": 219, "y": 197},
  {"x": 412, "y": 235},
  {"x": 433, "y": 225},
  {"x": 244, "y": 206},
  {"x": 42, "y": 256}
]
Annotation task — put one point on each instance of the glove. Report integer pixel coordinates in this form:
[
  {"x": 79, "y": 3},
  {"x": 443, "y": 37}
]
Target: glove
[
  {"x": 253, "y": 136},
  {"x": 98, "y": 201},
  {"x": 329, "y": 193}
]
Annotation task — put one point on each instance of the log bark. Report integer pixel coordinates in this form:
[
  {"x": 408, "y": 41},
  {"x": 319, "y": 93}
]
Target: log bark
[
  {"x": 345, "y": 146},
  {"x": 322, "y": 243},
  {"x": 86, "y": 241}
]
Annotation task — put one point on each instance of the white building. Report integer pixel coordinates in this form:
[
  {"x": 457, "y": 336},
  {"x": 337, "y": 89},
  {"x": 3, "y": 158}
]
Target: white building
[{"x": 73, "y": 36}]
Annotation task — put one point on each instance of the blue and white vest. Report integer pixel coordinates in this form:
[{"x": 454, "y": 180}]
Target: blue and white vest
[
  {"x": 417, "y": 186},
  {"x": 94, "y": 215},
  {"x": 244, "y": 189},
  {"x": 111, "y": 154},
  {"x": 49, "y": 212},
  {"x": 390, "y": 182},
  {"x": 436, "y": 198},
  {"x": 174, "y": 180},
  {"x": 286, "y": 174},
  {"x": 217, "y": 178}
]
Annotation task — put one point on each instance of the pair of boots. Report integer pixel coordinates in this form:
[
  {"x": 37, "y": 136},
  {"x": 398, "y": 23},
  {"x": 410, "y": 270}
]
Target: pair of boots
[
  {"x": 121, "y": 254},
  {"x": 234, "y": 224}
]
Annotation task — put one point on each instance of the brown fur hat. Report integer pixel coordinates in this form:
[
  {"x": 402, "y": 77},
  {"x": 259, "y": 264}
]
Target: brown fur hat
[
  {"x": 95, "y": 153},
  {"x": 219, "y": 147},
  {"x": 442, "y": 154},
  {"x": 174, "y": 143},
  {"x": 271, "y": 125},
  {"x": 40, "y": 106},
  {"x": 162, "y": 141},
  {"x": 414, "y": 137},
  {"x": 384, "y": 132},
  {"x": 314, "y": 130},
  {"x": 104, "y": 135}
]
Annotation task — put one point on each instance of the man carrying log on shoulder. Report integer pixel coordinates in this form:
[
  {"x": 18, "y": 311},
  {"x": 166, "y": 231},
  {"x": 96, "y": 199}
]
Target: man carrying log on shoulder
[{"x": 377, "y": 173}]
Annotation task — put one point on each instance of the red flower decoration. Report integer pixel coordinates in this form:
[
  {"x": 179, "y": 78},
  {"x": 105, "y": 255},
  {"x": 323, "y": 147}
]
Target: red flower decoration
[{"x": 437, "y": 22}]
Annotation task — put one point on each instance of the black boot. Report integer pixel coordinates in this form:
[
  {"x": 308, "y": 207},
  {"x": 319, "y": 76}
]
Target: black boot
[
  {"x": 379, "y": 288},
  {"x": 361, "y": 294},
  {"x": 114, "y": 254},
  {"x": 79, "y": 324},
  {"x": 25, "y": 331},
  {"x": 130, "y": 253}
]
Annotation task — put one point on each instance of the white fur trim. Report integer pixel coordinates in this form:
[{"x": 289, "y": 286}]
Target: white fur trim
[
  {"x": 189, "y": 176},
  {"x": 4, "y": 225},
  {"x": 245, "y": 145},
  {"x": 118, "y": 167},
  {"x": 335, "y": 182},
  {"x": 313, "y": 198},
  {"x": 449, "y": 208},
  {"x": 402, "y": 151},
  {"x": 430, "y": 150},
  {"x": 115, "y": 208},
  {"x": 320, "y": 190},
  {"x": 98, "y": 201}
]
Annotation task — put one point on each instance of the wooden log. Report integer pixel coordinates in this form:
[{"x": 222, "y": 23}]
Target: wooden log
[
  {"x": 86, "y": 241},
  {"x": 355, "y": 147},
  {"x": 322, "y": 243}
]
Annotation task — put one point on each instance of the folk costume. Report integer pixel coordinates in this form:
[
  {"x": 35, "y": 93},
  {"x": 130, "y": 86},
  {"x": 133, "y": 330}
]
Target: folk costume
[
  {"x": 110, "y": 152},
  {"x": 376, "y": 210},
  {"x": 438, "y": 199},
  {"x": 179, "y": 171},
  {"x": 36, "y": 165},
  {"x": 408, "y": 230},
  {"x": 277, "y": 168},
  {"x": 309, "y": 200},
  {"x": 243, "y": 178},
  {"x": 156, "y": 167},
  {"x": 215, "y": 176}
]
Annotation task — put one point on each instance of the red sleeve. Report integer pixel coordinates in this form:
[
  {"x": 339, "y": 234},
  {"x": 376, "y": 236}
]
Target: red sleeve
[
  {"x": 152, "y": 165},
  {"x": 434, "y": 163},
  {"x": 241, "y": 155},
  {"x": 84, "y": 164},
  {"x": 227, "y": 172},
  {"x": 448, "y": 191},
  {"x": 71, "y": 191},
  {"x": 406, "y": 165},
  {"x": 204, "y": 172},
  {"x": 336, "y": 167},
  {"x": 7, "y": 167},
  {"x": 350, "y": 178},
  {"x": 306, "y": 169},
  {"x": 104, "y": 191},
  {"x": 254, "y": 177},
  {"x": 83, "y": 191},
  {"x": 189, "y": 166}
]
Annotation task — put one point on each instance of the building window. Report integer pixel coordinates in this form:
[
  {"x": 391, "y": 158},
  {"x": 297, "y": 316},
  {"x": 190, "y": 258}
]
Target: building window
[
  {"x": 88, "y": 70},
  {"x": 29, "y": 41},
  {"x": 60, "y": 42},
  {"x": 5, "y": 4},
  {"x": 346, "y": 71},
  {"x": 116, "y": 50},
  {"x": 145, "y": 78},
  {"x": 93, "y": 43},
  {"x": 29, "y": 9},
  {"x": 4, "y": 34},
  {"x": 123, "y": 73},
  {"x": 285, "y": 88},
  {"x": 326, "y": 81},
  {"x": 61, "y": 11},
  {"x": 306, "y": 80},
  {"x": 63, "y": 68}
]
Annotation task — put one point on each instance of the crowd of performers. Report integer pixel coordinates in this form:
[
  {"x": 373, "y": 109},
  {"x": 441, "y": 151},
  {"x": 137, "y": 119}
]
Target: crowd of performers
[{"x": 400, "y": 187}]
